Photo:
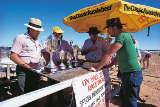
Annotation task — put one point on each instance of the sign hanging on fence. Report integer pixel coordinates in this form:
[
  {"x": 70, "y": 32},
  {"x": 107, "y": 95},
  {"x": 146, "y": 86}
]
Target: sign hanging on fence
[{"x": 90, "y": 90}]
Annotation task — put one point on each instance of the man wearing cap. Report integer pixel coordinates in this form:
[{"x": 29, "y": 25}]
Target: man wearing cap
[
  {"x": 26, "y": 53},
  {"x": 94, "y": 47},
  {"x": 62, "y": 45},
  {"x": 129, "y": 66}
]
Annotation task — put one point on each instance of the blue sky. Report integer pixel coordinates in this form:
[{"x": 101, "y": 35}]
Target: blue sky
[{"x": 15, "y": 13}]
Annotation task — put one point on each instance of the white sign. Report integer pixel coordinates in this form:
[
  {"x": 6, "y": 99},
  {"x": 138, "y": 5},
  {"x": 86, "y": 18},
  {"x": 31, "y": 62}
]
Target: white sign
[{"x": 90, "y": 90}]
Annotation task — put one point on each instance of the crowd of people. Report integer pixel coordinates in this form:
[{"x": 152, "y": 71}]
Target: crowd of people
[{"x": 27, "y": 51}]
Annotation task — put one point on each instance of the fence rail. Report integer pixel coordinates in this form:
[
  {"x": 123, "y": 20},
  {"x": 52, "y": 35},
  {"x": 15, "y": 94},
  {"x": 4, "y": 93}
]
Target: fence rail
[{"x": 34, "y": 95}]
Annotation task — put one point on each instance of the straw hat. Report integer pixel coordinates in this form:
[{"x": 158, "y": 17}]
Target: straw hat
[
  {"x": 57, "y": 29},
  {"x": 35, "y": 24}
]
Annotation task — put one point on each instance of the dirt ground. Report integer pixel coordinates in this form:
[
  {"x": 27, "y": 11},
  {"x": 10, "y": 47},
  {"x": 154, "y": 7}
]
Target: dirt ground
[{"x": 150, "y": 89}]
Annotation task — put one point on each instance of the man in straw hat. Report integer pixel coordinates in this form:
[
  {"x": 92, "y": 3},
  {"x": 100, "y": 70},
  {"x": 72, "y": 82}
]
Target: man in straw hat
[
  {"x": 26, "y": 53},
  {"x": 130, "y": 69}
]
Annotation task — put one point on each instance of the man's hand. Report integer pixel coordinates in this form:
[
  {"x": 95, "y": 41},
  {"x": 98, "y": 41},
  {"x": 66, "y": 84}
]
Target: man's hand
[
  {"x": 93, "y": 69},
  {"x": 92, "y": 48},
  {"x": 15, "y": 58}
]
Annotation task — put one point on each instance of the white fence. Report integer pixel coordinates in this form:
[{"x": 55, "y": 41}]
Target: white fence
[{"x": 34, "y": 95}]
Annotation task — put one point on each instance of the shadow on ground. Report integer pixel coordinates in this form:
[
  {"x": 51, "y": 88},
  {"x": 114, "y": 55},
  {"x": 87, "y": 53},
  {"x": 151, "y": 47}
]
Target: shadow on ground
[{"x": 117, "y": 102}]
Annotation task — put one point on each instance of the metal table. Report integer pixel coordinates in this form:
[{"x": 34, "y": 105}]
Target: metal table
[{"x": 64, "y": 74}]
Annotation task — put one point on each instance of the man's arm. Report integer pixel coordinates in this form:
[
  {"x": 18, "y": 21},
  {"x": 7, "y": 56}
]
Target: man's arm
[
  {"x": 15, "y": 58},
  {"x": 108, "y": 55},
  {"x": 86, "y": 51}
]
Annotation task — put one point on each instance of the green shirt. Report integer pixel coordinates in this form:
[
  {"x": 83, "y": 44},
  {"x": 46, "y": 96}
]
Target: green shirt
[{"x": 127, "y": 56}]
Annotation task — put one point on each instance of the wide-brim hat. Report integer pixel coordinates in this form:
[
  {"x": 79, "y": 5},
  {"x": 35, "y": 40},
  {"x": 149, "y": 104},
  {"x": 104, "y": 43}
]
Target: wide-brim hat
[
  {"x": 57, "y": 29},
  {"x": 113, "y": 22},
  {"x": 93, "y": 30},
  {"x": 35, "y": 24}
]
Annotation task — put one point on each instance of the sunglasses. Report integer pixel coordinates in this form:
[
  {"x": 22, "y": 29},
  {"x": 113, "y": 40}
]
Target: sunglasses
[{"x": 58, "y": 33}]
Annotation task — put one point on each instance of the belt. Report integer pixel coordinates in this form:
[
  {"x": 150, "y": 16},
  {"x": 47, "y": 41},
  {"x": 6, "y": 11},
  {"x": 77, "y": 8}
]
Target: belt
[{"x": 33, "y": 64}]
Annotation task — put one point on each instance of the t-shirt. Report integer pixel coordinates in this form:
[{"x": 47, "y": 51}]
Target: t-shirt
[{"x": 127, "y": 56}]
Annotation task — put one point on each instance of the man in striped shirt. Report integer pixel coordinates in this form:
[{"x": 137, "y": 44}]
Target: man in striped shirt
[{"x": 26, "y": 53}]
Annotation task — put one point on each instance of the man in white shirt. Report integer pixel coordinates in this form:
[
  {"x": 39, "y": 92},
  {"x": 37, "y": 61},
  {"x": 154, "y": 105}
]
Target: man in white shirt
[{"x": 26, "y": 53}]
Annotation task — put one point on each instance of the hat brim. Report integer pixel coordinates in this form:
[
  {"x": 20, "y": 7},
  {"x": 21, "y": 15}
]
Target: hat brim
[
  {"x": 112, "y": 26},
  {"x": 59, "y": 31},
  {"x": 96, "y": 32},
  {"x": 37, "y": 29}
]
